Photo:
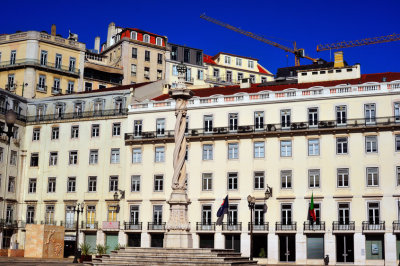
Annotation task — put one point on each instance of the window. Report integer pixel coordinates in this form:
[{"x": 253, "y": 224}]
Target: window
[
  {"x": 175, "y": 70},
  {"x": 259, "y": 180},
  {"x": 341, "y": 115},
  {"x": 51, "y": 185},
  {"x": 186, "y": 55},
  {"x": 227, "y": 60},
  {"x": 53, "y": 158},
  {"x": 207, "y": 152},
  {"x": 343, "y": 177},
  {"x": 263, "y": 79},
  {"x": 93, "y": 156},
  {"x": 13, "y": 158},
  {"x": 285, "y": 118},
  {"x": 160, "y": 126},
  {"x": 313, "y": 117},
  {"x": 36, "y": 134},
  {"x": 159, "y": 41},
  {"x": 13, "y": 57},
  {"x": 159, "y": 154},
  {"x": 95, "y": 131},
  {"x": 134, "y": 216},
  {"x": 70, "y": 88},
  {"x": 134, "y": 35},
  {"x": 113, "y": 183},
  {"x": 233, "y": 215},
  {"x": 43, "y": 58},
  {"x": 259, "y": 149},
  {"x": 344, "y": 213},
  {"x": 137, "y": 127},
  {"x": 133, "y": 70},
  {"x": 370, "y": 113},
  {"x": 146, "y": 38},
  {"x": 34, "y": 159},
  {"x": 233, "y": 122},
  {"x": 174, "y": 53},
  {"x": 146, "y": 55},
  {"x": 286, "y": 148},
  {"x": 158, "y": 183},
  {"x": 112, "y": 213},
  {"x": 32, "y": 185},
  {"x": 341, "y": 145},
  {"x": 239, "y": 61},
  {"x": 10, "y": 83},
  {"x": 240, "y": 76},
  {"x": 159, "y": 74},
  {"x": 1, "y": 154},
  {"x": 73, "y": 157},
  {"x": 313, "y": 147},
  {"x": 92, "y": 183},
  {"x": 258, "y": 120},
  {"x": 398, "y": 175},
  {"x": 136, "y": 155},
  {"x": 58, "y": 61},
  {"x": 88, "y": 86},
  {"x": 208, "y": 123},
  {"x": 199, "y": 58},
  {"x": 371, "y": 144},
  {"x": 397, "y": 112},
  {"x": 135, "y": 183},
  {"x": 188, "y": 75},
  {"x": 207, "y": 181},
  {"x": 286, "y": 211},
  {"x": 159, "y": 59},
  {"x": 49, "y": 214},
  {"x": 59, "y": 111},
  {"x": 71, "y": 184},
  {"x": 259, "y": 215},
  {"x": 233, "y": 150},
  {"x": 134, "y": 52},
  {"x": 216, "y": 72},
  {"x": 206, "y": 215},
  {"x": 90, "y": 216},
  {"x": 42, "y": 83},
  {"x": 373, "y": 213},
  {"x": 11, "y": 184},
  {"x": 232, "y": 181},
  {"x": 30, "y": 215},
  {"x": 286, "y": 179},
  {"x": 157, "y": 214},
  {"x": 314, "y": 178},
  {"x": 250, "y": 64},
  {"x": 71, "y": 67},
  {"x": 252, "y": 78},
  {"x": 397, "y": 143},
  {"x": 74, "y": 132},
  {"x": 200, "y": 74},
  {"x": 372, "y": 177},
  {"x": 114, "y": 156}
]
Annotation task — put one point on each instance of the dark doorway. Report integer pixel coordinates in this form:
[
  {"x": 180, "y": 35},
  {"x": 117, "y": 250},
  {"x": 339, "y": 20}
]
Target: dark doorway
[
  {"x": 206, "y": 240},
  {"x": 232, "y": 242},
  {"x": 69, "y": 248},
  {"x": 157, "y": 240},
  {"x": 134, "y": 240},
  {"x": 260, "y": 246},
  {"x": 287, "y": 248},
  {"x": 7, "y": 234},
  {"x": 344, "y": 248}
]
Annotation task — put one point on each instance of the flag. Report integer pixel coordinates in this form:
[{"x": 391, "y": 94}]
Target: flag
[
  {"x": 311, "y": 212},
  {"x": 222, "y": 210}
]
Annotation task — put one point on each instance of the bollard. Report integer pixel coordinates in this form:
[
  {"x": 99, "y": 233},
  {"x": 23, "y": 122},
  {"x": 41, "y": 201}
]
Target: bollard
[{"x": 326, "y": 260}]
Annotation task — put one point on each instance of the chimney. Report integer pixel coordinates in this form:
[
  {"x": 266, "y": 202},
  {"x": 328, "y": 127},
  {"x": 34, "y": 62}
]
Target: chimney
[
  {"x": 339, "y": 62},
  {"x": 97, "y": 44},
  {"x": 110, "y": 33},
  {"x": 53, "y": 30}
]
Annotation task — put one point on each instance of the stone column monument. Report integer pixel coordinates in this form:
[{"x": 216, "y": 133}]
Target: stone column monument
[{"x": 178, "y": 228}]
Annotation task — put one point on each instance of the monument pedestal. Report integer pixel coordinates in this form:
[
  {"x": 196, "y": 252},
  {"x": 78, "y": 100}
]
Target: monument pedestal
[
  {"x": 44, "y": 241},
  {"x": 178, "y": 228}
]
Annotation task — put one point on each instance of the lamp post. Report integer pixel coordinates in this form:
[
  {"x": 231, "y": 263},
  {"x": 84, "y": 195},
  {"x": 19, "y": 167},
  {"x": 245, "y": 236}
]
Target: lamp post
[{"x": 77, "y": 209}]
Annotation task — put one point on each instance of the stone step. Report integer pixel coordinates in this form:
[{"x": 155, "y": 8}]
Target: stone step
[
  {"x": 166, "y": 258},
  {"x": 171, "y": 263},
  {"x": 172, "y": 250},
  {"x": 183, "y": 255}
]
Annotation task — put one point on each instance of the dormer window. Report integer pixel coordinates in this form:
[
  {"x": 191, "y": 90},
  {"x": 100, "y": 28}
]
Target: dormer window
[
  {"x": 251, "y": 64},
  {"x": 133, "y": 35},
  {"x": 159, "y": 41},
  {"x": 146, "y": 38}
]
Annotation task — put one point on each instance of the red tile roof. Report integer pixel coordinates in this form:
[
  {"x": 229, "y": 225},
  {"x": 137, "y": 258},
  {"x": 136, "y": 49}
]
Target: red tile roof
[
  {"x": 143, "y": 31},
  {"x": 262, "y": 70},
  {"x": 208, "y": 59},
  {"x": 230, "y": 90}
]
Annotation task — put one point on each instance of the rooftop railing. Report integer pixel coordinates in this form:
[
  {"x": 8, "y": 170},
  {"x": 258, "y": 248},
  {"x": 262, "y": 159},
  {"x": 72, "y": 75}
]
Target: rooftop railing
[{"x": 38, "y": 63}]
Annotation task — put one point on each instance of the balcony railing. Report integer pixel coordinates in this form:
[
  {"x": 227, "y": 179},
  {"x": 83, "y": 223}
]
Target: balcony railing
[
  {"x": 52, "y": 222},
  {"x": 77, "y": 115},
  {"x": 290, "y": 129},
  {"x": 368, "y": 226},
  {"x": 221, "y": 80},
  {"x": 259, "y": 226},
  {"x": 39, "y": 64},
  {"x": 8, "y": 224},
  {"x": 205, "y": 226},
  {"x": 55, "y": 90},
  {"x": 41, "y": 88},
  {"x": 317, "y": 226},
  {"x": 89, "y": 225},
  {"x": 156, "y": 226},
  {"x": 279, "y": 226},
  {"x": 22, "y": 224},
  {"x": 396, "y": 226},
  {"x": 232, "y": 227},
  {"x": 69, "y": 225},
  {"x": 133, "y": 225},
  {"x": 343, "y": 226}
]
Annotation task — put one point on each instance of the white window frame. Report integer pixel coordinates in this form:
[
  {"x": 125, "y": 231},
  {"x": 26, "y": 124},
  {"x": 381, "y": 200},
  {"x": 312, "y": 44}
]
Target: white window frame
[
  {"x": 286, "y": 148},
  {"x": 259, "y": 149},
  {"x": 313, "y": 147}
]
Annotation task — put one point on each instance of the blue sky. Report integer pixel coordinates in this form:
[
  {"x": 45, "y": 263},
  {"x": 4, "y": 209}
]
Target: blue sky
[{"x": 307, "y": 22}]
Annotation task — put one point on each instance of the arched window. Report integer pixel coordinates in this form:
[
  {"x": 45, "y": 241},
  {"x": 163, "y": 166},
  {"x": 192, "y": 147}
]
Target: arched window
[
  {"x": 133, "y": 35},
  {"x": 146, "y": 38},
  {"x": 159, "y": 41}
]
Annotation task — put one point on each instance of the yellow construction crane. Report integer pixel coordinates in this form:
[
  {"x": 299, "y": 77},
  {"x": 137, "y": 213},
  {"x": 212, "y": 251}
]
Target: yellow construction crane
[
  {"x": 346, "y": 44},
  {"x": 298, "y": 52}
]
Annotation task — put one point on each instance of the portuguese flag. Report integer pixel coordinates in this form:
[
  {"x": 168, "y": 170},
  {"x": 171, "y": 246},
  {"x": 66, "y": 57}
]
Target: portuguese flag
[{"x": 311, "y": 212}]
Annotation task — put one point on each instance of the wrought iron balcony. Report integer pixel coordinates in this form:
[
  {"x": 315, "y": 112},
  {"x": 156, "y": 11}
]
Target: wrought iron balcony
[
  {"x": 5, "y": 65},
  {"x": 8, "y": 223},
  {"x": 69, "y": 225},
  {"x": 232, "y": 226},
  {"x": 343, "y": 226},
  {"x": 271, "y": 130},
  {"x": 49, "y": 222},
  {"x": 133, "y": 225},
  {"x": 316, "y": 226},
  {"x": 55, "y": 90},
  {"x": 22, "y": 224},
  {"x": 156, "y": 226},
  {"x": 41, "y": 88},
  {"x": 259, "y": 226},
  {"x": 370, "y": 226},
  {"x": 292, "y": 226},
  {"x": 205, "y": 226},
  {"x": 221, "y": 80},
  {"x": 89, "y": 225},
  {"x": 396, "y": 226}
]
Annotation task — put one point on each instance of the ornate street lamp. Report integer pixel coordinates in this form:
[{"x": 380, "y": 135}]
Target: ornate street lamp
[
  {"x": 77, "y": 209},
  {"x": 268, "y": 192},
  {"x": 252, "y": 202},
  {"x": 10, "y": 118}
]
